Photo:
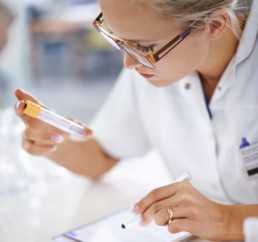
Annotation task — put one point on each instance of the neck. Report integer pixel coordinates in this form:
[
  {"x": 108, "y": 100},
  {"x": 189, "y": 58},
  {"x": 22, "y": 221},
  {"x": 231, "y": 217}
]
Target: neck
[{"x": 221, "y": 52}]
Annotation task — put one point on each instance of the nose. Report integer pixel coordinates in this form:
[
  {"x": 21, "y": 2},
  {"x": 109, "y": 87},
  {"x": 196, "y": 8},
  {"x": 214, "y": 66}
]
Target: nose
[{"x": 129, "y": 62}]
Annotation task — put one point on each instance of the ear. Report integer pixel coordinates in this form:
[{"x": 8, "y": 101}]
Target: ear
[{"x": 217, "y": 24}]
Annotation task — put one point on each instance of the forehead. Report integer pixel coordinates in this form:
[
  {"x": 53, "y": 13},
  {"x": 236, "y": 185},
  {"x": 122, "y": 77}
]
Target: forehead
[{"x": 132, "y": 20}]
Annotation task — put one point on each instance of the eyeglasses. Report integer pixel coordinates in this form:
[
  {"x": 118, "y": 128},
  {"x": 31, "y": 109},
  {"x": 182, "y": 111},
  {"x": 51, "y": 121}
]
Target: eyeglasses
[{"x": 147, "y": 59}]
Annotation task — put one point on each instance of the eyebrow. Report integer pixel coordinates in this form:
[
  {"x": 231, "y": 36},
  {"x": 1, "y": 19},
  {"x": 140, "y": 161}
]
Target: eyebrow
[
  {"x": 128, "y": 40},
  {"x": 139, "y": 41}
]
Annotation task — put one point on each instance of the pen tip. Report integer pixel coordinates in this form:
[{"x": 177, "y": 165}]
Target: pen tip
[{"x": 123, "y": 226}]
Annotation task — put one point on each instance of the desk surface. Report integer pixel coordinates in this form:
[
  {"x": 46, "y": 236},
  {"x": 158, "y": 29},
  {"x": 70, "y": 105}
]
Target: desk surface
[{"x": 58, "y": 201}]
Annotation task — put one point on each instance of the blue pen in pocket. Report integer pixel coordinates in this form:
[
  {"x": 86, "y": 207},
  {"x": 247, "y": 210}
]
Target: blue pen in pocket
[
  {"x": 244, "y": 143},
  {"x": 249, "y": 155}
]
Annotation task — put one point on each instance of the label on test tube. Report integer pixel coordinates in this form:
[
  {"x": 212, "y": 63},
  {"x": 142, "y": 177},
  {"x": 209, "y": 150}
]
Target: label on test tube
[{"x": 36, "y": 111}]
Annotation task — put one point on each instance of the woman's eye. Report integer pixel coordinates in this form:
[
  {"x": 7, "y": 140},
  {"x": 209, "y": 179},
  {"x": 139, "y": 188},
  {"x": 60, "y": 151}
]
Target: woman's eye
[{"x": 144, "y": 49}]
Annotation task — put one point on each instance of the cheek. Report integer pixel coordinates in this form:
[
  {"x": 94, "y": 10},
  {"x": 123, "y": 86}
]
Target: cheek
[{"x": 181, "y": 62}]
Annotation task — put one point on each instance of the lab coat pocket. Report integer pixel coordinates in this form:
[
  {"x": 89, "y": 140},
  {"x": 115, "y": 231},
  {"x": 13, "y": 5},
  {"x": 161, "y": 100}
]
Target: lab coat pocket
[{"x": 249, "y": 158}]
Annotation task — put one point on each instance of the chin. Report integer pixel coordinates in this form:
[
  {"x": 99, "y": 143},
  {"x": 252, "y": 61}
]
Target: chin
[{"x": 160, "y": 82}]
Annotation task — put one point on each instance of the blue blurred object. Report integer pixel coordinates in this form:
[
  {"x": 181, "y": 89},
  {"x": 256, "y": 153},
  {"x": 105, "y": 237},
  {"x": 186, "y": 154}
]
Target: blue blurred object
[{"x": 74, "y": 2}]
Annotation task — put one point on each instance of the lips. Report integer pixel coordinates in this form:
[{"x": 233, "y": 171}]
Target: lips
[{"x": 146, "y": 75}]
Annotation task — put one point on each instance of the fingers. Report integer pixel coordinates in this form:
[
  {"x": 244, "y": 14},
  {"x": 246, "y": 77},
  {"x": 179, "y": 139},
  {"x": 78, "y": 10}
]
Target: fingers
[
  {"x": 29, "y": 122},
  {"x": 37, "y": 149},
  {"x": 184, "y": 220},
  {"x": 159, "y": 198},
  {"x": 179, "y": 225},
  {"x": 158, "y": 211},
  {"x": 19, "y": 107},
  {"x": 42, "y": 137},
  {"x": 155, "y": 196},
  {"x": 39, "y": 137},
  {"x": 22, "y": 95},
  {"x": 36, "y": 142},
  {"x": 156, "y": 202},
  {"x": 162, "y": 217},
  {"x": 189, "y": 210}
]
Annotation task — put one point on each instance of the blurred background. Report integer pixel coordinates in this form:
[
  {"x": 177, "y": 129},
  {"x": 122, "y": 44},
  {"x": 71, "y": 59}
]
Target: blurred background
[
  {"x": 54, "y": 53},
  {"x": 50, "y": 49}
]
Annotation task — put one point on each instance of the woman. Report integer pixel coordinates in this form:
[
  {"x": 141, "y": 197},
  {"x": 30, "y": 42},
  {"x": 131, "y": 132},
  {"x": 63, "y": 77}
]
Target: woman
[{"x": 189, "y": 91}]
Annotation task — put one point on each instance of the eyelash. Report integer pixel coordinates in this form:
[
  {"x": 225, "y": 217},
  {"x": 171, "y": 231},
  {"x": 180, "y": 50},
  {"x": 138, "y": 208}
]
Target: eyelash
[{"x": 144, "y": 49}]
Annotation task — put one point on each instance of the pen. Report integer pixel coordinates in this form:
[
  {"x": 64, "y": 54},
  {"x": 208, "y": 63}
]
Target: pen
[
  {"x": 36, "y": 111},
  {"x": 134, "y": 217}
]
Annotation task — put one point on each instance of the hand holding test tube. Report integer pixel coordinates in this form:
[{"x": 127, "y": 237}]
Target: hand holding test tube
[{"x": 36, "y": 111}]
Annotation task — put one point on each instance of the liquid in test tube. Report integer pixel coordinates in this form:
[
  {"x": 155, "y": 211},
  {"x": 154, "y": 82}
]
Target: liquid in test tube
[{"x": 36, "y": 111}]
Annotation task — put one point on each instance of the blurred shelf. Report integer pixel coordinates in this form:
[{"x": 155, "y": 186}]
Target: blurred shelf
[{"x": 72, "y": 66}]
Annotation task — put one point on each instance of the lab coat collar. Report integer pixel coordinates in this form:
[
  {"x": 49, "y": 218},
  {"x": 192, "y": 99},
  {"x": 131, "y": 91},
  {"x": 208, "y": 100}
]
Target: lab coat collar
[
  {"x": 246, "y": 45},
  {"x": 249, "y": 35},
  {"x": 191, "y": 89}
]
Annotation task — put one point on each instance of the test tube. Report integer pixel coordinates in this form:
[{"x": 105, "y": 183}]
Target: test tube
[{"x": 36, "y": 111}]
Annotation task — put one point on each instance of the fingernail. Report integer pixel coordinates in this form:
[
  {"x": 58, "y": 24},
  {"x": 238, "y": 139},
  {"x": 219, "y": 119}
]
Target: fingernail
[
  {"x": 17, "y": 105},
  {"x": 136, "y": 209},
  {"x": 57, "y": 138},
  {"x": 52, "y": 149},
  {"x": 89, "y": 132},
  {"x": 143, "y": 223}
]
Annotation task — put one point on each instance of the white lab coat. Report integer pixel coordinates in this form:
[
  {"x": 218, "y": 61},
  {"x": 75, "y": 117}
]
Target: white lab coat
[{"x": 174, "y": 120}]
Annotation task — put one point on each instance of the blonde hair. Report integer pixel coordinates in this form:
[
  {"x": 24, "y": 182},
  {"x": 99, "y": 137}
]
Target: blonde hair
[{"x": 187, "y": 12}]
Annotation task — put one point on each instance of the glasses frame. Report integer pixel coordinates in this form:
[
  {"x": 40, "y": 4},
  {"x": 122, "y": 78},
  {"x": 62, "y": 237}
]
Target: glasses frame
[{"x": 152, "y": 58}]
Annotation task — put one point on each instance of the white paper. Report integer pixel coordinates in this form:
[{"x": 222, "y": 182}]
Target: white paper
[{"x": 109, "y": 229}]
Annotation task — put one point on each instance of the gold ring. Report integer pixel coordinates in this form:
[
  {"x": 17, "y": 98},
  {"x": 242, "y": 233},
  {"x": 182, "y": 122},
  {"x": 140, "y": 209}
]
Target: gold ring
[{"x": 170, "y": 214}]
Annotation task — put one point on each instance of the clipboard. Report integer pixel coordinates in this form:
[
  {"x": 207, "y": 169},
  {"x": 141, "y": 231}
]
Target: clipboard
[{"x": 109, "y": 229}]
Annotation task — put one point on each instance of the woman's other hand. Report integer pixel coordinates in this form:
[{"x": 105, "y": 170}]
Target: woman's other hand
[{"x": 192, "y": 212}]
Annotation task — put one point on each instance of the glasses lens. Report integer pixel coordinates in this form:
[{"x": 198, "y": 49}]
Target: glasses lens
[
  {"x": 137, "y": 56},
  {"x": 112, "y": 40},
  {"x": 109, "y": 39}
]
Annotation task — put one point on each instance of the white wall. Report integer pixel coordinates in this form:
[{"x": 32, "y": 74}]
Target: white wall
[{"x": 13, "y": 59}]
